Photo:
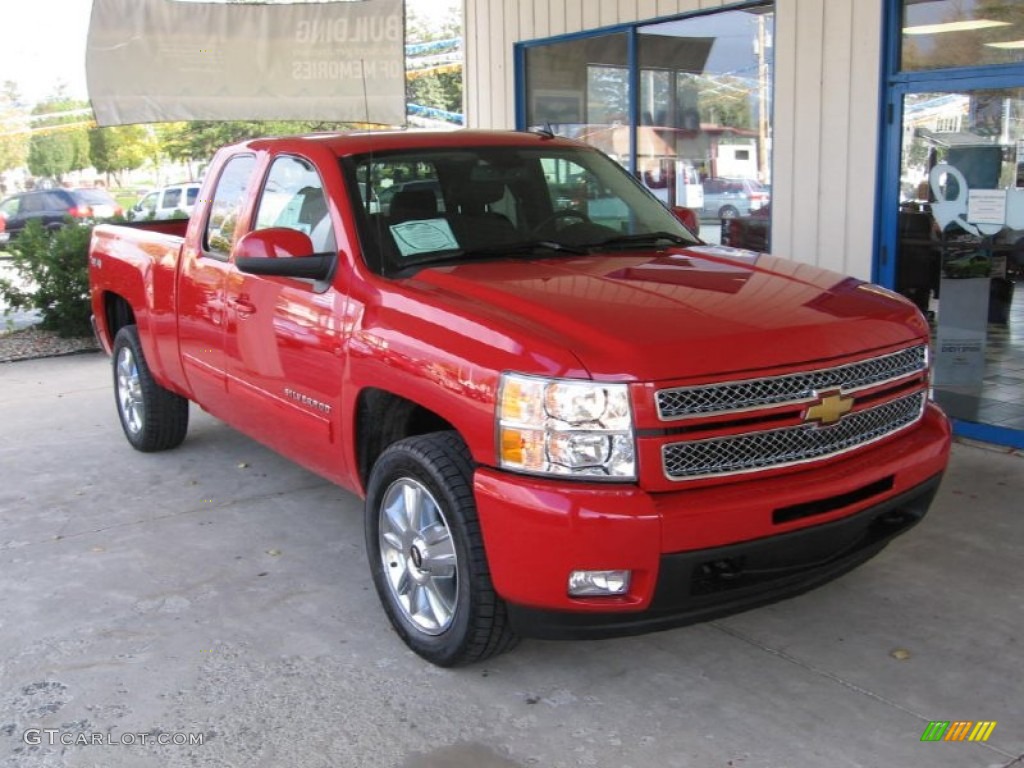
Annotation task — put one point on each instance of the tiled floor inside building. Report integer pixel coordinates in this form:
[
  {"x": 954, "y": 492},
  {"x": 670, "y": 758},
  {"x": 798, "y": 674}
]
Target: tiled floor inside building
[{"x": 1000, "y": 399}]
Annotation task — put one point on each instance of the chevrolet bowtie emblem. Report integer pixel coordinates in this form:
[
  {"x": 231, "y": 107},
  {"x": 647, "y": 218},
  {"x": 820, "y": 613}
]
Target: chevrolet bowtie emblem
[{"x": 829, "y": 409}]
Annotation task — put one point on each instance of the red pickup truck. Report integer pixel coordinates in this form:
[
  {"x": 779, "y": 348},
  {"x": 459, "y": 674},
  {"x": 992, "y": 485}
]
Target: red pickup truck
[{"x": 566, "y": 421}]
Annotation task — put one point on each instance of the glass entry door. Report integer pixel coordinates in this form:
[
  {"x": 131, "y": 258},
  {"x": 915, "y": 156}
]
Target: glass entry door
[{"x": 960, "y": 245}]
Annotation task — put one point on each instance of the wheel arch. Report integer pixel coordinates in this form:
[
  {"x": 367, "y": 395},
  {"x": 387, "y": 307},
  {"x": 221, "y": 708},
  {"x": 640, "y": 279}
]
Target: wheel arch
[
  {"x": 117, "y": 313},
  {"x": 383, "y": 417}
]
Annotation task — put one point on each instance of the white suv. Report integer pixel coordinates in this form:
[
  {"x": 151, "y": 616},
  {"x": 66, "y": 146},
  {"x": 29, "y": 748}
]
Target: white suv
[{"x": 173, "y": 202}]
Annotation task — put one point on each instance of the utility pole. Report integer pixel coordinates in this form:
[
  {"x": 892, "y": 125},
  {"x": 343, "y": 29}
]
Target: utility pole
[{"x": 763, "y": 83}]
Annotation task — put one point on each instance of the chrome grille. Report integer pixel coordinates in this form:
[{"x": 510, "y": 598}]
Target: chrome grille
[
  {"x": 681, "y": 402},
  {"x": 752, "y": 451}
]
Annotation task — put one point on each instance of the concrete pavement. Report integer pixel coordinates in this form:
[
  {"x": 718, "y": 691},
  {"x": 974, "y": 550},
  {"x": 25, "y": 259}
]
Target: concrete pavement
[{"x": 219, "y": 593}]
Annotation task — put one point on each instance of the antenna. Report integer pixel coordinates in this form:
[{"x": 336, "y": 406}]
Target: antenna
[{"x": 366, "y": 98}]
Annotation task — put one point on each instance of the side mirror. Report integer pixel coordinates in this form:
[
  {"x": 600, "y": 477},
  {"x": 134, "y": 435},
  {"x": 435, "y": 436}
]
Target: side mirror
[
  {"x": 281, "y": 252},
  {"x": 688, "y": 218}
]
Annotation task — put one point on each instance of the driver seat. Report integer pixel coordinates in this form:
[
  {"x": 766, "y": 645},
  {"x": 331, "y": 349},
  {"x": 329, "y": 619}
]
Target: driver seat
[{"x": 476, "y": 225}]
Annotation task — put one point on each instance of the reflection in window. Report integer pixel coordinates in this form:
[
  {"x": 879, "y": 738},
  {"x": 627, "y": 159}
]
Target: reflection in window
[
  {"x": 953, "y": 33},
  {"x": 228, "y": 199},
  {"x": 293, "y": 197},
  {"x": 580, "y": 89},
  {"x": 703, "y": 111}
]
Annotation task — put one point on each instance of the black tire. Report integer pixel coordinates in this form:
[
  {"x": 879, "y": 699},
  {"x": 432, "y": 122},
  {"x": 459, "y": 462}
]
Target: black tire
[
  {"x": 471, "y": 623},
  {"x": 728, "y": 212},
  {"x": 153, "y": 418}
]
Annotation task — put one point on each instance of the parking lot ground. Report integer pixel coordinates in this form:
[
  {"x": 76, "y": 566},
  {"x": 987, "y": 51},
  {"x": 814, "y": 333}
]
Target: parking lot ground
[{"x": 220, "y": 593}]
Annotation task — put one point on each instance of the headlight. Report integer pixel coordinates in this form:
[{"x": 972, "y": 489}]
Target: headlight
[{"x": 565, "y": 427}]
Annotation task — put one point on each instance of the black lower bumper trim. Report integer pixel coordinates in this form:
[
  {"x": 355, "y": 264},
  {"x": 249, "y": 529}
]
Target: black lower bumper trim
[{"x": 709, "y": 583}]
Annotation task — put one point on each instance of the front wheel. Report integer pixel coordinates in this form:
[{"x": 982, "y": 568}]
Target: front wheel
[
  {"x": 427, "y": 555},
  {"x": 153, "y": 418}
]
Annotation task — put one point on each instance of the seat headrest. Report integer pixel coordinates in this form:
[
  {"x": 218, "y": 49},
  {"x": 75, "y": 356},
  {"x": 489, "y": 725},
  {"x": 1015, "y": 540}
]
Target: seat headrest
[
  {"x": 314, "y": 206},
  {"x": 413, "y": 204}
]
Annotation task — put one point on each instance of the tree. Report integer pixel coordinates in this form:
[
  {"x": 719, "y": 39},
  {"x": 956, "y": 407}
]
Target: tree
[
  {"x": 120, "y": 148},
  {"x": 442, "y": 90},
  {"x": 196, "y": 141},
  {"x": 60, "y": 142},
  {"x": 13, "y": 129},
  {"x": 726, "y": 102},
  {"x": 966, "y": 48},
  {"x": 421, "y": 27},
  {"x": 438, "y": 86}
]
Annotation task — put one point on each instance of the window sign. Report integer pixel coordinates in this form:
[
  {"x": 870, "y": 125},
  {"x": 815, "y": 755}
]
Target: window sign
[{"x": 987, "y": 206}]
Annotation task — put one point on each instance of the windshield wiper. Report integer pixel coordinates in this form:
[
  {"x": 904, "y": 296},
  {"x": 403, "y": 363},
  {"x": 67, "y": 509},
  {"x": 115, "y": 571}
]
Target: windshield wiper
[
  {"x": 525, "y": 246},
  {"x": 467, "y": 255},
  {"x": 643, "y": 238}
]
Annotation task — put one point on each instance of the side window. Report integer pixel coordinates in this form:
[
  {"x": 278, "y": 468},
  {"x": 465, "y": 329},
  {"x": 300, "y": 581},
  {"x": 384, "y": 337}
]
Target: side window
[
  {"x": 294, "y": 197},
  {"x": 148, "y": 203},
  {"x": 33, "y": 203},
  {"x": 228, "y": 199},
  {"x": 10, "y": 207},
  {"x": 191, "y": 195},
  {"x": 56, "y": 201},
  {"x": 172, "y": 198}
]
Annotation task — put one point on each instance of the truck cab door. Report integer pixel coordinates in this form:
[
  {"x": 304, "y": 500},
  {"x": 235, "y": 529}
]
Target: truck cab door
[
  {"x": 284, "y": 350},
  {"x": 202, "y": 309}
]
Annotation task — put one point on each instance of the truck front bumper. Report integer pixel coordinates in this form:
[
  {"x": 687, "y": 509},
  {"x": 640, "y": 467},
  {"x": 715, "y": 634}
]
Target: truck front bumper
[{"x": 701, "y": 553}]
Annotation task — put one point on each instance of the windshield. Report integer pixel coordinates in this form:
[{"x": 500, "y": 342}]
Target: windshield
[{"x": 449, "y": 205}]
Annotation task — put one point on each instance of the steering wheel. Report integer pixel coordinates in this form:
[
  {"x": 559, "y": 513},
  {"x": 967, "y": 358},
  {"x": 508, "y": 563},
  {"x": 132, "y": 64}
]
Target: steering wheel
[{"x": 564, "y": 213}]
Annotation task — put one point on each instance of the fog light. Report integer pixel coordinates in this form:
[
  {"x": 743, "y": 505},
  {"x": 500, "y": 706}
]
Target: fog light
[{"x": 591, "y": 583}]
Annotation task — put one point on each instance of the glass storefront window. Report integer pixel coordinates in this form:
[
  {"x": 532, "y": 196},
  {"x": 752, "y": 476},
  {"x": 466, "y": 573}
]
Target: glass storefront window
[
  {"x": 961, "y": 33},
  {"x": 580, "y": 88},
  {"x": 961, "y": 244},
  {"x": 703, "y": 122}
]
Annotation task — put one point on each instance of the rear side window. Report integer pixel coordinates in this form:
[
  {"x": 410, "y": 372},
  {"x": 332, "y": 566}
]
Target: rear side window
[
  {"x": 35, "y": 203},
  {"x": 95, "y": 196},
  {"x": 228, "y": 200},
  {"x": 172, "y": 198}
]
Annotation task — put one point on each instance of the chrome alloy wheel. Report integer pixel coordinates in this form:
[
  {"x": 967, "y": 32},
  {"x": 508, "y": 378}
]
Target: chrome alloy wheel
[
  {"x": 129, "y": 391},
  {"x": 418, "y": 556}
]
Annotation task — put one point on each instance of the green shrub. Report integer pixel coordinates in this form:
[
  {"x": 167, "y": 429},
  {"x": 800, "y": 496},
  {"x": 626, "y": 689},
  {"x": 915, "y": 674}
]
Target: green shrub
[{"x": 55, "y": 267}]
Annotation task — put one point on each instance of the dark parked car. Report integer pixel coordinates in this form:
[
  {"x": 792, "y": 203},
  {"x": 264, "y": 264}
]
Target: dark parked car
[
  {"x": 50, "y": 207},
  {"x": 752, "y": 232}
]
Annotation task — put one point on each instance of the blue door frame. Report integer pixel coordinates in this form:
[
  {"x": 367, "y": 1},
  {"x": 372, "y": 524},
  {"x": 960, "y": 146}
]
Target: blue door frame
[{"x": 895, "y": 86}]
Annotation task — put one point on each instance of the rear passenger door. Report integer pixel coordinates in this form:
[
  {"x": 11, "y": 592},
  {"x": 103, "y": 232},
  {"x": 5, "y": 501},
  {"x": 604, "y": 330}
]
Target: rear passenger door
[
  {"x": 284, "y": 335},
  {"x": 44, "y": 207},
  {"x": 203, "y": 313}
]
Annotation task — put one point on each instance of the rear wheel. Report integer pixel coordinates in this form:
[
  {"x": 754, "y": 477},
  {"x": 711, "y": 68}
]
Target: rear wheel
[
  {"x": 427, "y": 555},
  {"x": 728, "y": 212},
  {"x": 153, "y": 418}
]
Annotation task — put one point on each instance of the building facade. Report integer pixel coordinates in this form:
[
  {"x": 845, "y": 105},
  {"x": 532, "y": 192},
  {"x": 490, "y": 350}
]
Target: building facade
[{"x": 876, "y": 138}]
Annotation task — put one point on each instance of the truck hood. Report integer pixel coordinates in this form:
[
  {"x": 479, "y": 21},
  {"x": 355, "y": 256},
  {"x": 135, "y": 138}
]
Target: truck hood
[{"x": 681, "y": 313}]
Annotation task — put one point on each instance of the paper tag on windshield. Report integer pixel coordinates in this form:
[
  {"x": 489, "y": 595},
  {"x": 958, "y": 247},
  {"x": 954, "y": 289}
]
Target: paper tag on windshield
[{"x": 423, "y": 236}]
